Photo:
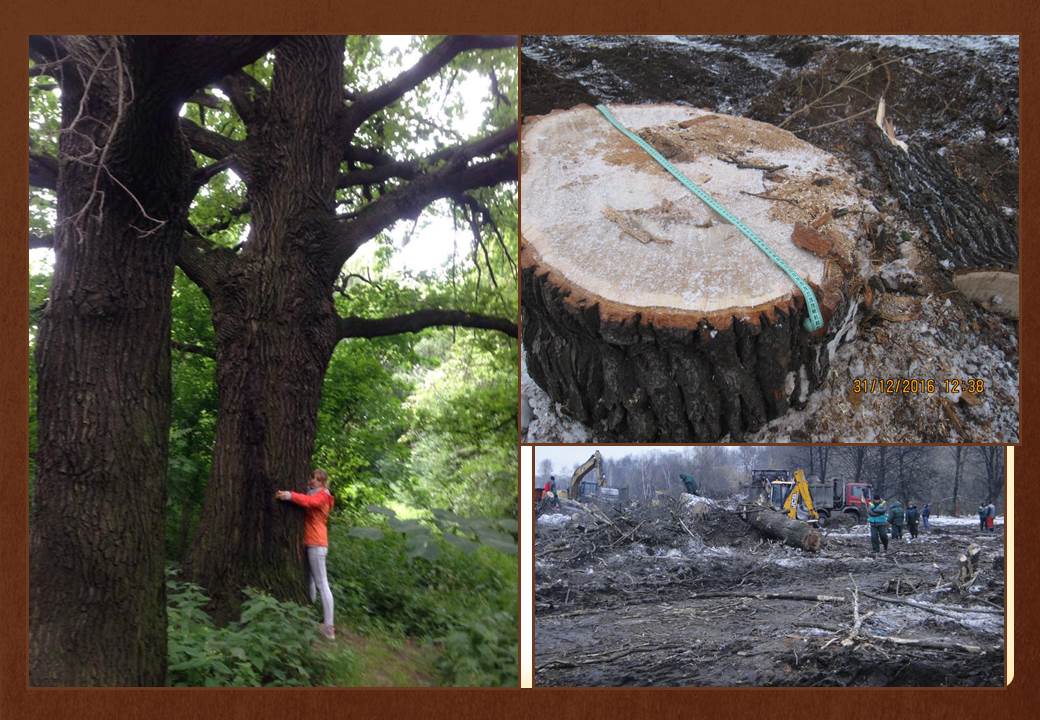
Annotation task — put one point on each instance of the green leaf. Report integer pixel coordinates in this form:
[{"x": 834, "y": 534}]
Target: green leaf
[{"x": 366, "y": 533}]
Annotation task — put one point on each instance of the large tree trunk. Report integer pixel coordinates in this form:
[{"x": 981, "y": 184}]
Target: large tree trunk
[
  {"x": 645, "y": 315},
  {"x": 777, "y": 525},
  {"x": 275, "y": 329},
  {"x": 96, "y": 589}
]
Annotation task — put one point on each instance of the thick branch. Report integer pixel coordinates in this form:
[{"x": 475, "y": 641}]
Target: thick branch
[
  {"x": 204, "y": 263},
  {"x": 204, "y": 174},
  {"x": 247, "y": 95},
  {"x": 209, "y": 143},
  {"x": 350, "y": 327},
  {"x": 193, "y": 349},
  {"x": 406, "y": 169},
  {"x": 430, "y": 64},
  {"x": 198, "y": 61},
  {"x": 46, "y": 48},
  {"x": 37, "y": 242},
  {"x": 369, "y": 156},
  {"x": 408, "y": 202},
  {"x": 43, "y": 171}
]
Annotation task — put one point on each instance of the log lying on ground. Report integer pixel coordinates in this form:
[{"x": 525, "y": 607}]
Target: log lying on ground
[
  {"x": 646, "y": 315},
  {"x": 963, "y": 229},
  {"x": 777, "y": 525}
]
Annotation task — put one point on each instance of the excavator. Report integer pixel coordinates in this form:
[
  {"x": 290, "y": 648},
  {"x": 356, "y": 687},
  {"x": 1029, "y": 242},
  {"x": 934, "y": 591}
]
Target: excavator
[
  {"x": 811, "y": 498},
  {"x": 595, "y": 462},
  {"x": 787, "y": 492}
]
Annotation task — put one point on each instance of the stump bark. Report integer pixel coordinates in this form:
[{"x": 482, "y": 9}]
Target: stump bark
[
  {"x": 963, "y": 229},
  {"x": 778, "y": 526},
  {"x": 647, "y": 316}
]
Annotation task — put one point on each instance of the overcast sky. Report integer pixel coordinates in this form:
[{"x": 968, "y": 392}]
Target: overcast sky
[{"x": 566, "y": 457}]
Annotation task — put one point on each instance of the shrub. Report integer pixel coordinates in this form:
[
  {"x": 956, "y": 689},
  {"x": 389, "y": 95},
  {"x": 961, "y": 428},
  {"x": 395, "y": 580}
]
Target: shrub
[
  {"x": 272, "y": 643},
  {"x": 462, "y": 599}
]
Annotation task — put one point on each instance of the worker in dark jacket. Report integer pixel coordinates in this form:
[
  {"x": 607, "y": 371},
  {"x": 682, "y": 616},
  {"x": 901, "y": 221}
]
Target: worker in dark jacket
[
  {"x": 912, "y": 516},
  {"x": 895, "y": 519},
  {"x": 877, "y": 517},
  {"x": 983, "y": 511},
  {"x": 926, "y": 512}
]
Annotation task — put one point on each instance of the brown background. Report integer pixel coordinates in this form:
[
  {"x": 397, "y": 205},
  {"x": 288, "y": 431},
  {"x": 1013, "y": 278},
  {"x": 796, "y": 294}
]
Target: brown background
[{"x": 17, "y": 700}]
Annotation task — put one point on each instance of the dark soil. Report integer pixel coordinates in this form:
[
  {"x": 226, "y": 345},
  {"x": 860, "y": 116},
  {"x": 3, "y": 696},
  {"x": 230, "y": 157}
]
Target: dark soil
[
  {"x": 963, "y": 101},
  {"x": 615, "y": 605}
]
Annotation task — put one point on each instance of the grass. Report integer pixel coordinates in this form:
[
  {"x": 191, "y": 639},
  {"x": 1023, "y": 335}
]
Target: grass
[{"x": 383, "y": 662}]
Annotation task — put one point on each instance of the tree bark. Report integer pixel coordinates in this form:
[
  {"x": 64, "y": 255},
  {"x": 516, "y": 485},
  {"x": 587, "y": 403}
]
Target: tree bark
[
  {"x": 97, "y": 613},
  {"x": 96, "y": 590},
  {"x": 272, "y": 306},
  {"x": 275, "y": 328},
  {"x": 776, "y": 525},
  {"x": 963, "y": 229}
]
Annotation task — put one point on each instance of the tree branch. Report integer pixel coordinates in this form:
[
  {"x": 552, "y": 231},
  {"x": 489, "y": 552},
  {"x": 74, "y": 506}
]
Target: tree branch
[
  {"x": 387, "y": 168},
  {"x": 37, "y": 242},
  {"x": 351, "y": 327},
  {"x": 209, "y": 143},
  {"x": 204, "y": 263},
  {"x": 204, "y": 174},
  {"x": 194, "y": 349},
  {"x": 248, "y": 96},
  {"x": 368, "y": 104},
  {"x": 408, "y": 202},
  {"x": 369, "y": 156},
  {"x": 197, "y": 61},
  {"x": 43, "y": 171}
]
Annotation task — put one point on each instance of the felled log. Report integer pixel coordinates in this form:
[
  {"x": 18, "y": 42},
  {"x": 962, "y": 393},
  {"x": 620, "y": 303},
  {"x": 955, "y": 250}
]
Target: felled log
[
  {"x": 646, "y": 315},
  {"x": 777, "y": 525},
  {"x": 962, "y": 229}
]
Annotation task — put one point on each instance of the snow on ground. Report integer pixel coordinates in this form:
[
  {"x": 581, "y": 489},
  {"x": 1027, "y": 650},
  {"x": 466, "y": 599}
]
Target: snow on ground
[
  {"x": 553, "y": 519},
  {"x": 961, "y": 520}
]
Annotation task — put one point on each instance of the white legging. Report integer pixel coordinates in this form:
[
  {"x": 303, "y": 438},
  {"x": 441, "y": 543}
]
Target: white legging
[{"x": 319, "y": 579}]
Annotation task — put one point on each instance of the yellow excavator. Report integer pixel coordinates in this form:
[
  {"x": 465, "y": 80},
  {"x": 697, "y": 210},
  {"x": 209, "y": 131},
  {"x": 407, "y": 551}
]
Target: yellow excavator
[
  {"x": 787, "y": 492},
  {"x": 593, "y": 463},
  {"x": 800, "y": 494}
]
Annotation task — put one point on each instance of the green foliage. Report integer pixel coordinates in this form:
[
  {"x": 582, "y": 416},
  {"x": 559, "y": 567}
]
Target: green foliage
[
  {"x": 272, "y": 643},
  {"x": 464, "y": 433},
  {"x": 481, "y": 652},
  {"x": 464, "y": 601}
]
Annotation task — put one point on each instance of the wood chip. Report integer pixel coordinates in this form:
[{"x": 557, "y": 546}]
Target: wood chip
[{"x": 808, "y": 238}]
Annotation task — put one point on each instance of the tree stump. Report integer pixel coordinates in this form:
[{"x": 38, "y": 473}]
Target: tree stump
[{"x": 646, "y": 315}]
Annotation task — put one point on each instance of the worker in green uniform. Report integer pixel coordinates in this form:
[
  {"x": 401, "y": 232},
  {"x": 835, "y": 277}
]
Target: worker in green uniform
[
  {"x": 877, "y": 518},
  {"x": 895, "y": 519},
  {"x": 689, "y": 483}
]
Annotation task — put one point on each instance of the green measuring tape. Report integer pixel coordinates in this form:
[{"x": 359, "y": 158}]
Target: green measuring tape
[{"x": 815, "y": 320}]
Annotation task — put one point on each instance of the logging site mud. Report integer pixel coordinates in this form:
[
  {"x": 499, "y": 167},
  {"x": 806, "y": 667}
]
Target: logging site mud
[
  {"x": 683, "y": 591},
  {"x": 932, "y": 294}
]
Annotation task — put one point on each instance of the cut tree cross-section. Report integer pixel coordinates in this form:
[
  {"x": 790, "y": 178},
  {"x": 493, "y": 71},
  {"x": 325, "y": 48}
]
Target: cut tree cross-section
[{"x": 645, "y": 314}]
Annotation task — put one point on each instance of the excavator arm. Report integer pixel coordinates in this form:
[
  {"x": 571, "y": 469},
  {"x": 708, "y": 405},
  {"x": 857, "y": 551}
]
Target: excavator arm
[
  {"x": 594, "y": 462},
  {"x": 800, "y": 491}
]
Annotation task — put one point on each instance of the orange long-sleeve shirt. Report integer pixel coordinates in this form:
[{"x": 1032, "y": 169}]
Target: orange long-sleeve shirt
[{"x": 318, "y": 507}]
